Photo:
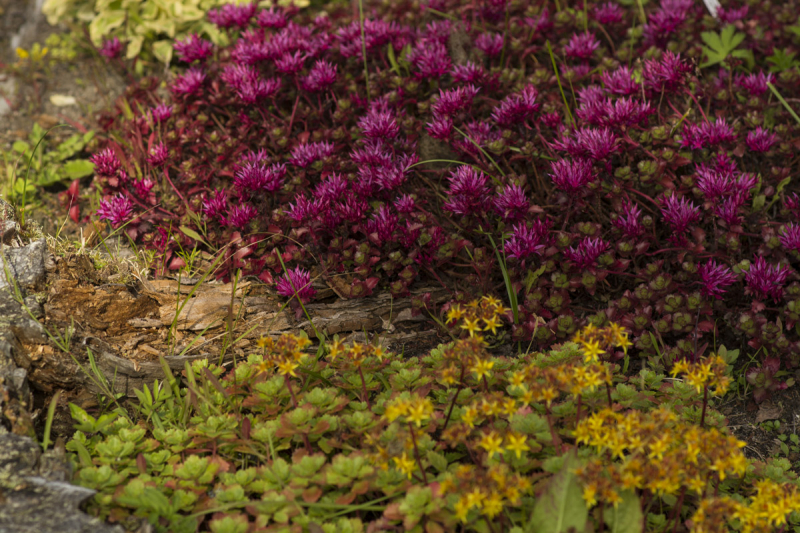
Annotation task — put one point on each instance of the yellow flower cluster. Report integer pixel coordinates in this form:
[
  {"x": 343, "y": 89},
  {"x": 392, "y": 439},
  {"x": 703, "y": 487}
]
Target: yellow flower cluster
[
  {"x": 544, "y": 384},
  {"x": 766, "y": 512},
  {"x": 709, "y": 372},
  {"x": 478, "y": 315},
  {"x": 488, "y": 491},
  {"x": 285, "y": 354},
  {"x": 595, "y": 341},
  {"x": 416, "y": 410},
  {"x": 465, "y": 356},
  {"x": 656, "y": 452},
  {"x": 356, "y": 353}
]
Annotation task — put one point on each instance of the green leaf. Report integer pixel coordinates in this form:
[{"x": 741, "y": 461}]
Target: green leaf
[
  {"x": 134, "y": 47},
  {"x": 437, "y": 460},
  {"x": 626, "y": 516},
  {"x": 560, "y": 507},
  {"x": 719, "y": 46},
  {"x": 21, "y": 147},
  {"x": 163, "y": 51},
  {"x": 104, "y": 23},
  {"x": 189, "y": 232},
  {"x": 782, "y": 60},
  {"x": 392, "y": 59},
  {"x": 759, "y": 201},
  {"x": 78, "y": 168}
]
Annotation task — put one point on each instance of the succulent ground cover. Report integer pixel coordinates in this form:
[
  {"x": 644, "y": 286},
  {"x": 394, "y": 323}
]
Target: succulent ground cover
[
  {"x": 620, "y": 174},
  {"x": 593, "y": 163}
]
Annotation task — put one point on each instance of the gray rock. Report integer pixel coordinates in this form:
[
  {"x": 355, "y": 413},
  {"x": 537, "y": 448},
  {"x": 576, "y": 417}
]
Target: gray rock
[
  {"x": 33, "y": 503},
  {"x": 26, "y": 265}
]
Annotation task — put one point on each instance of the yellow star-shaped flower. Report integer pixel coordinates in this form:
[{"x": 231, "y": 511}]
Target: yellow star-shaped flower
[
  {"x": 516, "y": 443},
  {"x": 492, "y": 443}
]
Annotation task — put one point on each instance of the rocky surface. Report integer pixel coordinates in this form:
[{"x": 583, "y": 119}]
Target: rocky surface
[{"x": 35, "y": 491}]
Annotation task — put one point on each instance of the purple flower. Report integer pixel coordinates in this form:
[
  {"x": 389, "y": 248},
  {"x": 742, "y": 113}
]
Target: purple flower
[
  {"x": 377, "y": 34},
  {"x": 430, "y": 58},
  {"x": 765, "y": 280},
  {"x": 296, "y": 282},
  {"x": 468, "y": 73},
  {"x": 469, "y": 193},
  {"x": 540, "y": 23},
  {"x": 728, "y": 209},
  {"x": 581, "y": 46},
  {"x": 790, "y": 237},
  {"x": 321, "y": 76},
  {"x": 143, "y": 187},
  {"x": 193, "y": 48},
  {"x": 106, "y": 163},
  {"x": 248, "y": 84},
  {"x": 379, "y": 125},
  {"x": 231, "y": 15},
  {"x": 290, "y": 63},
  {"x": 707, "y": 134},
  {"x": 240, "y": 215},
  {"x": 512, "y": 204},
  {"x": 525, "y": 241},
  {"x": 755, "y": 84},
  {"x": 629, "y": 222},
  {"x": 304, "y": 209},
  {"x": 489, "y": 43},
  {"x": 517, "y": 108},
  {"x": 587, "y": 252},
  {"x": 352, "y": 209},
  {"x": 440, "y": 128},
  {"x": 667, "y": 75},
  {"x": 792, "y": 203},
  {"x": 254, "y": 177},
  {"x": 405, "y": 204},
  {"x": 620, "y": 81},
  {"x": 383, "y": 222},
  {"x": 679, "y": 213},
  {"x": 217, "y": 205},
  {"x": 161, "y": 113},
  {"x": 715, "y": 278},
  {"x": 572, "y": 177},
  {"x": 760, "y": 140},
  {"x": 331, "y": 189},
  {"x": 305, "y": 155},
  {"x": 608, "y": 13},
  {"x": 271, "y": 18},
  {"x": 111, "y": 48},
  {"x": 117, "y": 210},
  {"x": 596, "y": 144},
  {"x": 189, "y": 82},
  {"x": 158, "y": 155},
  {"x": 665, "y": 21},
  {"x": 731, "y": 15},
  {"x": 453, "y": 101},
  {"x": 438, "y": 30}
]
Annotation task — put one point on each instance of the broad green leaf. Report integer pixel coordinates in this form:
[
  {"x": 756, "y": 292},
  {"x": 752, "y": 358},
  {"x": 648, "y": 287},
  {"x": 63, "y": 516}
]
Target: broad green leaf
[
  {"x": 758, "y": 202},
  {"x": 134, "y": 46},
  {"x": 627, "y": 516},
  {"x": 719, "y": 46},
  {"x": 163, "y": 51},
  {"x": 21, "y": 147},
  {"x": 781, "y": 60},
  {"x": 437, "y": 460},
  {"x": 560, "y": 507},
  {"x": 104, "y": 23},
  {"x": 78, "y": 168}
]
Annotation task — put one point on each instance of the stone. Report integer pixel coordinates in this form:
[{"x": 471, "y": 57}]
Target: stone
[
  {"x": 35, "y": 503},
  {"x": 26, "y": 265}
]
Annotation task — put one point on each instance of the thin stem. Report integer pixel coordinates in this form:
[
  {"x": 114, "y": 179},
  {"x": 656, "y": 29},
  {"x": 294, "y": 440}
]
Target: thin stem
[
  {"x": 705, "y": 403},
  {"x": 416, "y": 453},
  {"x": 364, "y": 395},
  {"x": 364, "y": 46},
  {"x": 291, "y": 391},
  {"x": 453, "y": 403}
]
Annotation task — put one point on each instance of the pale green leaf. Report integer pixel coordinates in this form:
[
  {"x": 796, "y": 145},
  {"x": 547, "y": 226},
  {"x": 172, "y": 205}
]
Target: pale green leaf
[
  {"x": 627, "y": 516},
  {"x": 561, "y": 506}
]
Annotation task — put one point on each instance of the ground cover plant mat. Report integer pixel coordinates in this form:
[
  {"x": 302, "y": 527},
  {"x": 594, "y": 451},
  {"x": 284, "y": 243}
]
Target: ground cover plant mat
[{"x": 606, "y": 191}]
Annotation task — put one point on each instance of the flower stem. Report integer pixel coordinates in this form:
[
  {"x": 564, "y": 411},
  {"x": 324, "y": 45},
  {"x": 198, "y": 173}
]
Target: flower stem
[{"x": 416, "y": 453}]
